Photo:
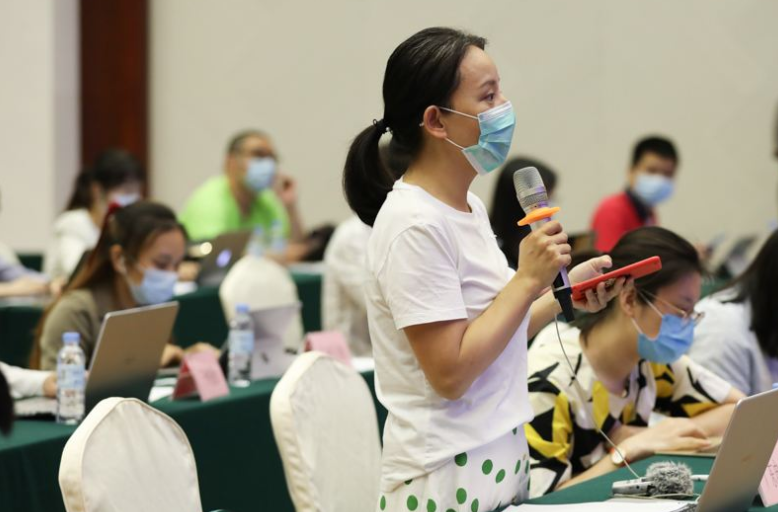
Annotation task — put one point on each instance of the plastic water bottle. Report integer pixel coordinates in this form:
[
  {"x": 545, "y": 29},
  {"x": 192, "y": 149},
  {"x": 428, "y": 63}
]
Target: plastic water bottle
[
  {"x": 241, "y": 347},
  {"x": 71, "y": 380},
  {"x": 277, "y": 238},
  {"x": 256, "y": 245}
]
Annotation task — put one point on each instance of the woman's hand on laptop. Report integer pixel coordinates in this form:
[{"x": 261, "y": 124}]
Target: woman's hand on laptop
[
  {"x": 669, "y": 435},
  {"x": 173, "y": 354}
]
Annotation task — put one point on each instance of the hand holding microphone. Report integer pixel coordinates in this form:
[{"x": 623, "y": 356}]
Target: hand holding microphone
[
  {"x": 543, "y": 253},
  {"x": 533, "y": 198}
]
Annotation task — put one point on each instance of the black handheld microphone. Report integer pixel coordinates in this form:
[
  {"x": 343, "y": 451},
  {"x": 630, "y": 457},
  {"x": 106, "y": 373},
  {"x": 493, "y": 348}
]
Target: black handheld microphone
[{"x": 532, "y": 195}]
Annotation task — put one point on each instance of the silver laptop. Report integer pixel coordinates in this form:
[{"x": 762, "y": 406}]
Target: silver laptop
[
  {"x": 125, "y": 360},
  {"x": 743, "y": 455}
]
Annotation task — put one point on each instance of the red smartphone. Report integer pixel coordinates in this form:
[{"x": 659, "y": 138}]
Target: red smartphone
[{"x": 635, "y": 271}]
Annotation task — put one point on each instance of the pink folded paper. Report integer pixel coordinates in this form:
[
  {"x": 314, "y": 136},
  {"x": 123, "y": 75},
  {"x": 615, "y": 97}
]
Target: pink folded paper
[
  {"x": 200, "y": 374},
  {"x": 332, "y": 343},
  {"x": 768, "y": 487}
]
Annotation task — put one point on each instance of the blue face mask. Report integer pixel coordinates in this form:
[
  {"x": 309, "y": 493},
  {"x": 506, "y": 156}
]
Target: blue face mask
[
  {"x": 674, "y": 339},
  {"x": 260, "y": 174},
  {"x": 653, "y": 189},
  {"x": 494, "y": 143},
  {"x": 124, "y": 199},
  {"x": 157, "y": 286}
]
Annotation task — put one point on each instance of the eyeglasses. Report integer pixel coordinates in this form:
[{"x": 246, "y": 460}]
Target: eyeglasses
[{"x": 686, "y": 317}]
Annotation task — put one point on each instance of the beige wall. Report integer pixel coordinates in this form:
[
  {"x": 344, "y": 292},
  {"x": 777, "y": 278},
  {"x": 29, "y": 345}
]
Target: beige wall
[
  {"x": 38, "y": 116},
  {"x": 587, "y": 79}
]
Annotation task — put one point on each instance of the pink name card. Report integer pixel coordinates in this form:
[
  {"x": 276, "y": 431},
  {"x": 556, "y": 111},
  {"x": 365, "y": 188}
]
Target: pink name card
[
  {"x": 332, "y": 343},
  {"x": 201, "y": 375},
  {"x": 768, "y": 487}
]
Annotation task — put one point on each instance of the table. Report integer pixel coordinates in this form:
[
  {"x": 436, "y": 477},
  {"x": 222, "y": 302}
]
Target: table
[
  {"x": 599, "y": 489},
  {"x": 238, "y": 464},
  {"x": 200, "y": 318}
]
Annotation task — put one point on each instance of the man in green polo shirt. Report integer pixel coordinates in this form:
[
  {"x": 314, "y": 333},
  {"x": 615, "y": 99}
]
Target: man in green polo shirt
[{"x": 250, "y": 193}]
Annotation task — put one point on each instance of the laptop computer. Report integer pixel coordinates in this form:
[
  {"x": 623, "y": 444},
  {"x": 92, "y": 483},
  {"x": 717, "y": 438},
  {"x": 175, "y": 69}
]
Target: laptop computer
[
  {"x": 741, "y": 460},
  {"x": 271, "y": 358},
  {"x": 125, "y": 360},
  {"x": 743, "y": 455},
  {"x": 225, "y": 250}
]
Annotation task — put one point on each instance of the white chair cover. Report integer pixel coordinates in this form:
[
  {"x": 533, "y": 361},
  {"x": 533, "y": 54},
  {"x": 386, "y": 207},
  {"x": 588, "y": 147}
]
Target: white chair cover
[
  {"x": 128, "y": 457},
  {"x": 262, "y": 283},
  {"x": 325, "y": 426}
]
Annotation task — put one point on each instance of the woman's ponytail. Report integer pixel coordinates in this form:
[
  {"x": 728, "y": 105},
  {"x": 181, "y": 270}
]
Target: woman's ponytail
[
  {"x": 422, "y": 71},
  {"x": 366, "y": 181}
]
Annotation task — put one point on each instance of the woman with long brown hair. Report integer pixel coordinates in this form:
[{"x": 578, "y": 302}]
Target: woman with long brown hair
[{"x": 134, "y": 263}]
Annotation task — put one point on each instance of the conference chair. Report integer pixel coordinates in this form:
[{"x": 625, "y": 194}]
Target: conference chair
[
  {"x": 262, "y": 284},
  {"x": 325, "y": 426},
  {"x": 127, "y": 456}
]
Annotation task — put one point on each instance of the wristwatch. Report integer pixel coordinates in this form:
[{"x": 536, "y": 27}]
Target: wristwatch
[{"x": 616, "y": 457}]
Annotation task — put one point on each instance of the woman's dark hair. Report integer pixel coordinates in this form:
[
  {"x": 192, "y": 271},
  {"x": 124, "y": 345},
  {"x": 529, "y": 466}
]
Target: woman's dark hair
[
  {"x": 6, "y": 407},
  {"x": 757, "y": 286},
  {"x": 506, "y": 210},
  {"x": 422, "y": 71},
  {"x": 133, "y": 228},
  {"x": 112, "y": 168},
  {"x": 679, "y": 258}
]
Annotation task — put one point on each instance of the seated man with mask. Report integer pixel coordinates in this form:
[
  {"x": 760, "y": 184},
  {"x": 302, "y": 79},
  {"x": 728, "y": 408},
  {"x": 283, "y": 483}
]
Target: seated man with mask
[
  {"x": 251, "y": 193},
  {"x": 650, "y": 182}
]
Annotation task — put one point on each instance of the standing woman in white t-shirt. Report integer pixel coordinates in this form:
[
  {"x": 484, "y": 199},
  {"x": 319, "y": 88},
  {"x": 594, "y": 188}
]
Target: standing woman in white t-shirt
[
  {"x": 115, "y": 177},
  {"x": 448, "y": 318}
]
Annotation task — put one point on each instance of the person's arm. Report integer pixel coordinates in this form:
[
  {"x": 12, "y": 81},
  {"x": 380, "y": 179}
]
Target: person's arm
[
  {"x": 25, "y": 383},
  {"x": 546, "y": 307},
  {"x": 285, "y": 188},
  {"x": 671, "y": 434},
  {"x": 698, "y": 394},
  {"x": 602, "y": 467},
  {"x": 24, "y": 287},
  {"x": 453, "y": 353},
  {"x": 714, "y": 421}
]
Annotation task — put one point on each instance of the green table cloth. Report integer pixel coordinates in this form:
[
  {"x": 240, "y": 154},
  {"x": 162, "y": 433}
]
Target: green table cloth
[
  {"x": 238, "y": 464},
  {"x": 599, "y": 489}
]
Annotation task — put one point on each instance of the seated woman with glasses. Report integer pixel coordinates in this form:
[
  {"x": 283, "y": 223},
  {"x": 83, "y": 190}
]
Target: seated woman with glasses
[{"x": 612, "y": 371}]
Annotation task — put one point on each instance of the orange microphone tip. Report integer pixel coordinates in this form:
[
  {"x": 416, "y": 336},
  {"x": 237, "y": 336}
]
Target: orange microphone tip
[{"x": 538, "y": 214}]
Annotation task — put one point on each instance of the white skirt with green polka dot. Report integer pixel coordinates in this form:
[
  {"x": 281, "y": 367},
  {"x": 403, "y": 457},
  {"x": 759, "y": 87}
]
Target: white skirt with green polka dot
[{"x": 481, "y": 480}]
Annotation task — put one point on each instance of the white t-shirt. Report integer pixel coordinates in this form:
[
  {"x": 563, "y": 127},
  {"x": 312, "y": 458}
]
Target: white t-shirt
[
  {"x": 343, "y": 286},
  {"x": 74, "y": 233},
  {"x": 725, "y": 344},
  {"x": 429, "y": 262}
]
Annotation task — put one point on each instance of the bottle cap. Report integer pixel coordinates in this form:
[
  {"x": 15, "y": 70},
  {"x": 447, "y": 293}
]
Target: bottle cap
[
  {"x": 71, "y": 337},
  {"x": 242, "y": 308}
]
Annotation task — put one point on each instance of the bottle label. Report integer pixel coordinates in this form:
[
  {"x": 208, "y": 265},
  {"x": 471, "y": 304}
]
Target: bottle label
[
  {"x": 70, "y": 376},
  {"x": 241, "y": 342}
]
